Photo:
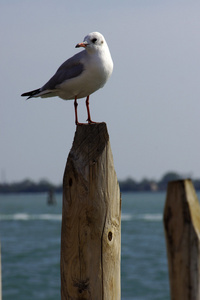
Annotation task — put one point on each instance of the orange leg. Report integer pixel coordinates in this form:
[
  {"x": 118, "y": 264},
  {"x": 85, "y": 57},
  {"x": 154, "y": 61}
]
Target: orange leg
[
  {"x": 88, "y": 111},
  {"x": 75, "y": 108}
]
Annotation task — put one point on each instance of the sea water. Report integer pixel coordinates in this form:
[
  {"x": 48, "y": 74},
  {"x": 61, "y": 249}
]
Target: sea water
[{"x": 30, "y": 247}]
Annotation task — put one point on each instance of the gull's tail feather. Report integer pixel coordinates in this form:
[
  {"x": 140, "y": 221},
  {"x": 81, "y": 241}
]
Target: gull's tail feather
[{"x": 31, "y": 94}]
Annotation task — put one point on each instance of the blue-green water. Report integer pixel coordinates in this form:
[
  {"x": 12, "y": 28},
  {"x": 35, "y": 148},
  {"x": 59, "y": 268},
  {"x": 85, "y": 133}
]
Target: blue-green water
[{"x": 30, "y": 244}]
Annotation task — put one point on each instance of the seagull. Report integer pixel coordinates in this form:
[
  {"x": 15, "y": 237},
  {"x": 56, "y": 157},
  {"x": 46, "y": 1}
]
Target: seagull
[{"x": 81, "y": 75}]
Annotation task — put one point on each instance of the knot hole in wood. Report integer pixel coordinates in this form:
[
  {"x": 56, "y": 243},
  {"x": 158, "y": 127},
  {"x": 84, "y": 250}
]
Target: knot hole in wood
[
  {"x": 110, "y": 236},
  {"x": 70, "y": 182}
]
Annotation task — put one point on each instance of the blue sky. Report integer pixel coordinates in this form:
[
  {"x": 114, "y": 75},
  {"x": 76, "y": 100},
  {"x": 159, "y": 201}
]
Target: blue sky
[{"x": 151, "y": 104}]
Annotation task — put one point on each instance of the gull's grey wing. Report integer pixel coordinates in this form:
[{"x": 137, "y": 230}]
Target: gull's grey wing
[{"x": 71, "y": 68}]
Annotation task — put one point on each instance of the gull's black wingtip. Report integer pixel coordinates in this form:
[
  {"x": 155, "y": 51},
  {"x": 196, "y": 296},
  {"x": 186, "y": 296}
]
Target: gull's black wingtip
[
  {"x": 30, "y": 94},
  {"x": 25, "y": 95}
]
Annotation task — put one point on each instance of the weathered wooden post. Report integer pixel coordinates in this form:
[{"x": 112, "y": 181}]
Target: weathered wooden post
[
  {"x": 0, "y": 276},
  {"x": 91, "y": 219},
  {"x": 182, "y": 232}
]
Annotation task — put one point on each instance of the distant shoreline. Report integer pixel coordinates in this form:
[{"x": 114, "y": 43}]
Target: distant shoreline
[{"x": 127, "y": 185}]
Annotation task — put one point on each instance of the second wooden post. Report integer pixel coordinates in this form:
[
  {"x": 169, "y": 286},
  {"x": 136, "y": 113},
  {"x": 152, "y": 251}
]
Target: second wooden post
[
  {"x": 182, "y": 232},
  {"x": 91, "y": 219}
]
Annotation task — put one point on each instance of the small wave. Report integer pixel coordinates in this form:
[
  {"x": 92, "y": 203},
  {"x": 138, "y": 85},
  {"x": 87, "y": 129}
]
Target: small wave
[
  {"x": 151, "y": 217},
  {"x": 53, "y": 217},
  {"x": 143, "y": 217},
  {"x": 58, "y": 217},
  {"x": 21, "y": 216},
  {"x": 126, "y": 217},
  {"x": 29, "y": 217}
]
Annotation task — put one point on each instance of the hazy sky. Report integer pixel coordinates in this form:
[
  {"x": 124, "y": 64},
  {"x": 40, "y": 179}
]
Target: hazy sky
[{"x": 151, "y": 104}]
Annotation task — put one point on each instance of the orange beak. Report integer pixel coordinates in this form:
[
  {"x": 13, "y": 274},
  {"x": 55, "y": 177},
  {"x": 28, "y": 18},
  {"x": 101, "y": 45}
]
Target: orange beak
[{"x": 83, "y": 44}]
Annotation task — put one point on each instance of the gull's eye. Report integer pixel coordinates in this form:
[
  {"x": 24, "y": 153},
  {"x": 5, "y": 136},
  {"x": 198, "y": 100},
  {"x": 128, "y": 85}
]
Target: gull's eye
[{"x": 94, "y": 40}]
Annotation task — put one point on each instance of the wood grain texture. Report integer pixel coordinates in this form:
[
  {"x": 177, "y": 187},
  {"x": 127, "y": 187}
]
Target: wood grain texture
[
  {"x": 91, "y": 219},
  {"x": 182, "y": 232}
]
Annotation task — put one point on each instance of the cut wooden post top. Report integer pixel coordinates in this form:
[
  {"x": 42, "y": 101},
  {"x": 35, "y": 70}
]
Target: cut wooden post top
[
  {"x": 90, "y": 140},
  {"x": 181, "y": 193}
]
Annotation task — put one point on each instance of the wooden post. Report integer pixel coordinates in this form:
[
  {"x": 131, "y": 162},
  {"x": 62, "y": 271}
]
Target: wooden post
[
  {"x": 91, "y": 219},
  {"x": 182, "y": 232},
  {"x": 0, "y": 276}
]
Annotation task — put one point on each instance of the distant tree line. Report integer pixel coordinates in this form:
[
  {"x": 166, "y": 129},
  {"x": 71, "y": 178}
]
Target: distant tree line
[
  {"x": 127, "y": 185},
  {"x": 29, "y": 186},
  {"x": 130, "y": 185}
]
